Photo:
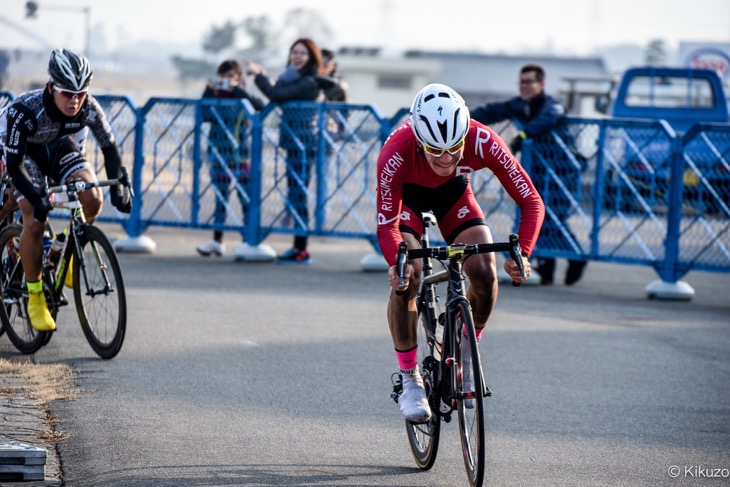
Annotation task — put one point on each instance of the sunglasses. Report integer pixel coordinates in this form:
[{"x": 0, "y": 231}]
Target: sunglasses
[
  {"x": 69, "y": 94},
  {"x": 439, "y": 152}
]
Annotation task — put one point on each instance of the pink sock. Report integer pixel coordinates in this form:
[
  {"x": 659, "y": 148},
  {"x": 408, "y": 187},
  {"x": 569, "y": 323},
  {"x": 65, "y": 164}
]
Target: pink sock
[
  {"x": 477, "y": 331},
  {"x": 407, "y": 360}
]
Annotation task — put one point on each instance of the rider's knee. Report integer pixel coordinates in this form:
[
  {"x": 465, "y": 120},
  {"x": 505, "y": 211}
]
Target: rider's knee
[
  {"x": 33, "y": 227},
  {"x": 92, "y": 204},
  {"x": 483, "y": 277}
]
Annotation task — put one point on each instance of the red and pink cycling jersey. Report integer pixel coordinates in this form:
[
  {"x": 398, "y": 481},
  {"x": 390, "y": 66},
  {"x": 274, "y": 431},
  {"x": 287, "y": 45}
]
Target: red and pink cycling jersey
[{"x": 402, "y": 166}]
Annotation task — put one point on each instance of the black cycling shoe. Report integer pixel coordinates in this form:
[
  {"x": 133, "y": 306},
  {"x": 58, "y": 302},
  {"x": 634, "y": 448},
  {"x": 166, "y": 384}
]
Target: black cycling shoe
[
  {"x": 575, "y": 271},
  {"x": 546, "y": 269}
]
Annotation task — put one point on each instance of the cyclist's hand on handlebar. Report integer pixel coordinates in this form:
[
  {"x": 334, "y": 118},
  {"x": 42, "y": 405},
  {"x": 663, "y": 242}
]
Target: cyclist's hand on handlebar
[
  {"x": 120, "y": 198},
  {"x": 394, "y": 280},
  {"x": 511, "y": 268},
  {"x": 42, "y": 208}
]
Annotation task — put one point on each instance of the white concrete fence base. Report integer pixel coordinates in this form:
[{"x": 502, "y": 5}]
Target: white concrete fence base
[
  {"x": 675, "y": 291},
  {"x": 141, "y": 244},
  {"x": 374, "y": 263},
  {"x": 254, "y": 253}
]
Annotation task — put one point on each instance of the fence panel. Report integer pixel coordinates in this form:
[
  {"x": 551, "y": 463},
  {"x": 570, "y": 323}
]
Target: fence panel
[
  {"x": 170, "y": 148},
  {"x": 705, "y": 227},
  {"x": 318, "y": 169},
  {"x": 615, "y": 190}
]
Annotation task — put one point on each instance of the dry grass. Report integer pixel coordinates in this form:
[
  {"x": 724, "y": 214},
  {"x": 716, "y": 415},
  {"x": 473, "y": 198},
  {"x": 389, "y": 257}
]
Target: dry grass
[{"x": 42, "y": 383}]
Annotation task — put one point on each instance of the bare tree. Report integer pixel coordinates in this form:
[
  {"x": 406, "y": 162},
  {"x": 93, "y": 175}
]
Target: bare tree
[
  {"x": 219, "y": 39},
  {"x": 305, "y": 22},
  {"x": 265, "y": 41},
  {"x": 263, "y": 36}
]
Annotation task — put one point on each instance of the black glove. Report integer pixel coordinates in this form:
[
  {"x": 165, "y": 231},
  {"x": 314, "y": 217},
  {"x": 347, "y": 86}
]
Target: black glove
[
  {"x": 41, "y": 209},
  {"x": 120, "y": 198}
]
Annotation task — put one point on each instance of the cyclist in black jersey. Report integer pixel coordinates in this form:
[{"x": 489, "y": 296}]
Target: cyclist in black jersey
[{"x": 37, "y": 132}]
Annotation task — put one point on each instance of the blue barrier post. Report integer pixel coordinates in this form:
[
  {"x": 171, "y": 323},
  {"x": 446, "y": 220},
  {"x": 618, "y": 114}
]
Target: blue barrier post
[
  {"x": 669, "y": 287},
  {"x": 598, "y": 191},
  {"x": 134, "y": 224},
  {"x": 322, "y": 163},
  {"x": 197, "y": 164},
  {"x": 669, "y": 271},
  {"x": 253, "y": 233}
]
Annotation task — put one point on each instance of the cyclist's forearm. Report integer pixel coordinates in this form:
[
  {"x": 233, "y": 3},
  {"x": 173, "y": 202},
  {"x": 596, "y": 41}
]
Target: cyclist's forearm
[
  {"x": 22, "y": 181},
  {"x": 112, "y": 161}
]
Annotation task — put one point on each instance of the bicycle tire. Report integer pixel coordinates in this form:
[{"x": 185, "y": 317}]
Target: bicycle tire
[
  {"x": 14, "y": 295},
  {"x": 423, "y": 438},
  {"x": 471, "y": 419},
  {"x": 99, "y": 293}
]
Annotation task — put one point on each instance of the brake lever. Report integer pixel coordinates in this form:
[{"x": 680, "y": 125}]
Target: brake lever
[
  {"x": 515, "y": 252},
  {"x": 125, "y": 181},
  {"x": 402, "y": 261}
]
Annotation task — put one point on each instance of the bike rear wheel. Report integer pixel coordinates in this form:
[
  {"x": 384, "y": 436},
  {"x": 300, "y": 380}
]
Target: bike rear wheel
[
  {"x": 470, "y": 403},
  {"x": 99, "y": 293},
  {"x": 424, "y": 437},
  {"x": 14, "y": 295}
]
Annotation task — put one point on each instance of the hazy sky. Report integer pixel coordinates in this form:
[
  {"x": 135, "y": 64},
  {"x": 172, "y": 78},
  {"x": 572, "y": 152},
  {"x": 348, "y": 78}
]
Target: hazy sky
[{"x": 568, "y": 27}]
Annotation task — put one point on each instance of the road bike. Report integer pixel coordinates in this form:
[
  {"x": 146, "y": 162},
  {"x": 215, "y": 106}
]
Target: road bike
[
  {"x": 98, "y": 285},
  {"x": 442, "y": 337}
]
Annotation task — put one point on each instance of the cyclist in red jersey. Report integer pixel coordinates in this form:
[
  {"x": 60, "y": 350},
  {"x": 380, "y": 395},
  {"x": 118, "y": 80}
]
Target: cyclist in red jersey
[{"x": 424, "y": 166}]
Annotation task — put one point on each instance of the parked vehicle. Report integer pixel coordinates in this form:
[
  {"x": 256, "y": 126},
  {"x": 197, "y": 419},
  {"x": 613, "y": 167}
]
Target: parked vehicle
[{"x": 681, "y": 97}]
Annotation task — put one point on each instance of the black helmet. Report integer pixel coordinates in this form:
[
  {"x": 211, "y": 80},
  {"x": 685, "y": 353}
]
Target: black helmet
[{"x": 69, "y": 70}]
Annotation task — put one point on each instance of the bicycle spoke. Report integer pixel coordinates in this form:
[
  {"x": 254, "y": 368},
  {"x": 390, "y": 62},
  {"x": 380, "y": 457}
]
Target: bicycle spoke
[
  {"x": 14, "y": 309},
  {"x": 99, "y": 293},
  {"x": 470, "y": 404},
  {"x": 424, "y": 437}
]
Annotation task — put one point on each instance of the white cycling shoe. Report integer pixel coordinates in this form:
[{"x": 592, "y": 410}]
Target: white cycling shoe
[{"x": 413, "y": 402}]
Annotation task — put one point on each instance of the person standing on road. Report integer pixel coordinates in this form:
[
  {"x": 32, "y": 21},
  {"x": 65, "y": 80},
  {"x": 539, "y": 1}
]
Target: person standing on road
[
  {"x": 424, "y": 166},
  {"x": 539, "y": 114},
  {"x": 228, "y": 151},
  {"x": 38, "y": 137},
  {"x": 302, "y": 80}
]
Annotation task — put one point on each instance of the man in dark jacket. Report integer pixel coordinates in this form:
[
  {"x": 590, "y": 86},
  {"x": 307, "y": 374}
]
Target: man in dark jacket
[
  {"x": 538, "y": 114},
  {"x": 228, "y": 151}
]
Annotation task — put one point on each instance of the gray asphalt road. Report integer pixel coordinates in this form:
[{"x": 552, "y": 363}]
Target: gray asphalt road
[{"x": 269, "y": 375}]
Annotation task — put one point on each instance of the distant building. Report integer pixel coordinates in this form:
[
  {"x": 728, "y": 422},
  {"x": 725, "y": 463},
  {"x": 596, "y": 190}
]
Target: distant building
[{"x": 390, "y": 80}]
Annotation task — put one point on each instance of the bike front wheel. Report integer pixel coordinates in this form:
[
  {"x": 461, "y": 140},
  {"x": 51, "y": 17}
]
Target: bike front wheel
[
  {"x": 99, "y": 293},
  {"x": 14, "y": 295},
  {"x": 424, "y": 437},
  {"x": 470, "y": 399}
]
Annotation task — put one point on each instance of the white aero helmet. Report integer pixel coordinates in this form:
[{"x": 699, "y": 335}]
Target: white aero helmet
[
  {"x": 69, "y": 70},
  {"x": 439, "y": 117}
]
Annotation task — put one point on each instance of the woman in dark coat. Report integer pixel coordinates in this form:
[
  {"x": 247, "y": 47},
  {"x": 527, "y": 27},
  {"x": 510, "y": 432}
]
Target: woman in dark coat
[{"x": 301, "y": 80}]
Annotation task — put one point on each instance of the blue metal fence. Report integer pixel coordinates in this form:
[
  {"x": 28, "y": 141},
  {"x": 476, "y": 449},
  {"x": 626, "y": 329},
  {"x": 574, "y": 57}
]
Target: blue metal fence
[{"x": 615, "y": 190}]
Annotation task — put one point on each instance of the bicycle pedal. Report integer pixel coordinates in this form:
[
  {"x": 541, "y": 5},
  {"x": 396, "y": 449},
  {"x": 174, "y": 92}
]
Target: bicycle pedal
[
  {"x": 62, "y": 300},
  {"x": 487, "y": 391},
  {"x": 397, "y": 387}
]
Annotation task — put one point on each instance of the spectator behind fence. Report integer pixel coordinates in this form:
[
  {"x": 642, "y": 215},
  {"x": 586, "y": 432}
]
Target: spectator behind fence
[
  {"x": 229, "y": 156},
  {"x": 339, "y": 90},
  {"x": 539, "y": 114},
  {"x": 303, "y": 80}
]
